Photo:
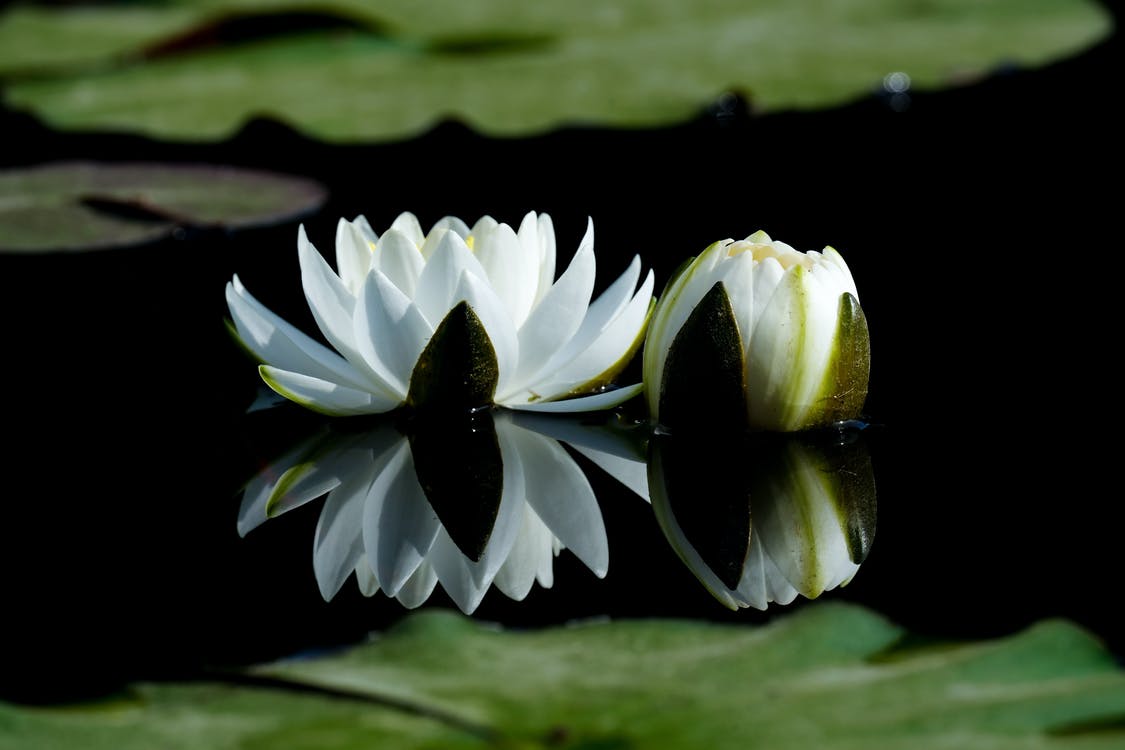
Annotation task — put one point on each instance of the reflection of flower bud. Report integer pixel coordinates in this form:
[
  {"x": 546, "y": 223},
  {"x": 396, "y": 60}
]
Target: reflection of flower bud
[
  {"x": 754, "y": 334},
  {"x": 780, "y": 515}
]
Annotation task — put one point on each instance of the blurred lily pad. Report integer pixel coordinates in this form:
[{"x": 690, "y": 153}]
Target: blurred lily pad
[
  {"x": 83, "y": 205},
  {"x": 827, "y": 676},
  {"x": 348, "y": 70}
]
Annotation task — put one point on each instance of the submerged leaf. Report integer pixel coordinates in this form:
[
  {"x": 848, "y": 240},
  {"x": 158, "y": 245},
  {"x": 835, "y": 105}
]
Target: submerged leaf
[
  {"x": 85, "y": 205},
  {"x": 828, "y": 676}
]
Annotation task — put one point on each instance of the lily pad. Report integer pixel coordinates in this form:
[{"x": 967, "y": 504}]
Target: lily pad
[
  {"x": 201, "y": 70},
  {"x": 829, "y": 675},
  {"x": 90, "y": 206}
]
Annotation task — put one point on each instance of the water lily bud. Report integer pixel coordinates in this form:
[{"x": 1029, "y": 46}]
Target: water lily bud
[{"x": 755, "y": 335}]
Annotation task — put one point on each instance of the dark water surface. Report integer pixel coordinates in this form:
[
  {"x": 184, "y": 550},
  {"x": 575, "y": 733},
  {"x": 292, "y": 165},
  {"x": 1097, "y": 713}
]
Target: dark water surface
[{"x": 980, "y": 224}]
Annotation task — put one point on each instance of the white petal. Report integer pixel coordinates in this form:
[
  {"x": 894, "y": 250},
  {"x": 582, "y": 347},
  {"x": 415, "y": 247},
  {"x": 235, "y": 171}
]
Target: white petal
[
  {"x": 418, "y": 588},
  {"x": 299, "y": 485},
  {"x": 611, "y": 448},
  {"x": 509, "y": 516},
  {"x": 512, "y": 271},
  {"x": 398, "y": 258},
  {"x": 276, "y": 342},
  {"x": 407, "y": 223},
  {"x": 609, "y": 345},
  {"x": 672, "y": 310},
  {"x": 256, "y": 494},
  {"x": 559, "y": 313},
  {"x": 832, "y": 257},
  {"x": 322, "y": 396},
  {"x": 454, "y": 224},
  {"x": 533, "y": 546},
  {"x": 484, "y": 226},
  {"x": 778, "y": 589},
  {"x": 494, "y": 317},
  {"x": 333, "y": 308},
  {"x": 801, "y": 528},
  {"x": 399, "y": 526},
  {"x": 606, "y": 436},
  {"x": 329, "y": 299},
  {"x": 390, "y": 332},
  {"x": 788, "y": 352},
  {"x": 753, "y": 589},
  {"x": 455, "y": 574},
  {"x": 537, "y": 235},
  {"x": 596, "y": 402},
  {"x": 737, "y": 275},
  {"x": 630, "y": 472},
  {"x": 437, "y": 286},
  {"x": 560, "y": 494},
  {"x": 365, "y": 578},
  {"x": 353, "y": 253},
  {"x": 337, "y": 544}
]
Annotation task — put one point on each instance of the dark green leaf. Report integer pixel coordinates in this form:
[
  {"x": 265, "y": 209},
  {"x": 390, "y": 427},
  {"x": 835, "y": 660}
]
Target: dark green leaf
[
  {"x": 704, "y": 384},
  {"x": 845, "y": 382},
  {"x": 457, "y": 372},
  {"x": 459, "y": 467},
  {"x": 828, "y": 676},
  {"x": 89, "y": 205},
  {"x": 393, "y": 70},
  {"x": 706, "y": 484}
]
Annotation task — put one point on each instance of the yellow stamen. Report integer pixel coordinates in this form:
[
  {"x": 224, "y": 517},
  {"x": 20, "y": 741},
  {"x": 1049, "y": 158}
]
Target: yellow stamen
[{"x": 760, "y": 247}]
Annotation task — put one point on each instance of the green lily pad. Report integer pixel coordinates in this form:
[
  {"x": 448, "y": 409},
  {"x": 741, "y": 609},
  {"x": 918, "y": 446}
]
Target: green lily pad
[
  {"x": 201, "y": 70},
  {"x": 828, "y": 676},
  {"x": 91, "y": 206}
]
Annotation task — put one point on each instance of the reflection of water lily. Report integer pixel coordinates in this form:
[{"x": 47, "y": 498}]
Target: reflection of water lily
[
  {"x": 469, "y": 504},
  {"x": 780, "y": 515},
  {"x": 768, "y": 337},
  {"x": 458, "y": 316}
]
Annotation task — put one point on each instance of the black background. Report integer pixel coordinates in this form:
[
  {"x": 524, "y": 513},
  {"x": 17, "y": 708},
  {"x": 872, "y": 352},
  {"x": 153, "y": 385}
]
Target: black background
[{"x": 980, "y": 224}]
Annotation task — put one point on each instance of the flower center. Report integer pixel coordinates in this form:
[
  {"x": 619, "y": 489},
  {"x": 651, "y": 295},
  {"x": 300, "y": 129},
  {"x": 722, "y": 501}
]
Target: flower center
[{"x": 760, "y": 247}]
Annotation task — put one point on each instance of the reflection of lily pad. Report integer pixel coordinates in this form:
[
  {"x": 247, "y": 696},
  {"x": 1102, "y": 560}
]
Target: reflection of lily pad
[
  {"x": 89, "y": 205},
  {"x": 201, "y": 70},
  {"x": 828, "y": 676}
]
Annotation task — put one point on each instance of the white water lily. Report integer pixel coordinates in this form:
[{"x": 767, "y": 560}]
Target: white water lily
[
  {"x": 387, "y": 521},
  {"x": 755, "y": 334},
  {"x": 405, "y": 310}
]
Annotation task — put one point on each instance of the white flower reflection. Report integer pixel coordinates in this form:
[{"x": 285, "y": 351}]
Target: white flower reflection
[
  {"x": 470, "y": 504},
  {"x": 779, "y": 515}
]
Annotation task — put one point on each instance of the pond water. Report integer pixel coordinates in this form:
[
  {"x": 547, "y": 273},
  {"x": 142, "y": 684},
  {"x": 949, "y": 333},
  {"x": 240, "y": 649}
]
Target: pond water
[{"x": 981, "y": 250}]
